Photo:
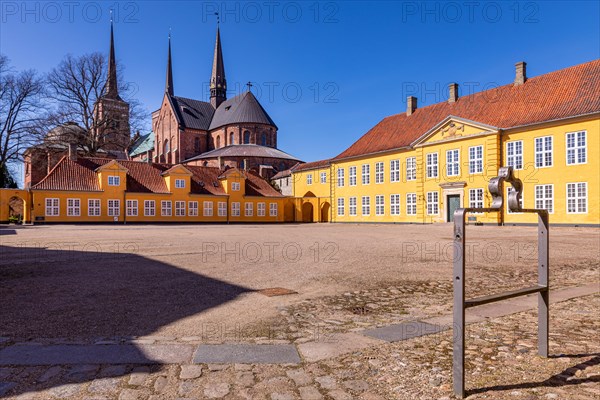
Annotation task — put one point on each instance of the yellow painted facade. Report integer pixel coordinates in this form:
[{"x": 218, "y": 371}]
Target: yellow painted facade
[{"x": 312, "y": 192}]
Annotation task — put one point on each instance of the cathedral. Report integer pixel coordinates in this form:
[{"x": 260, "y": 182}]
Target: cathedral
[{"x": 236, "y": 132}]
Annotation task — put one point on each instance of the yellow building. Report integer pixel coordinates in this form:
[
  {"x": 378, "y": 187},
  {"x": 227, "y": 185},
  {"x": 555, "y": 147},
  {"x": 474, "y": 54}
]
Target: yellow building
[
  {"x": 104, "y": 190},
  {"x": 419, "y": 166},
  {"x": 312, "y": 191}
]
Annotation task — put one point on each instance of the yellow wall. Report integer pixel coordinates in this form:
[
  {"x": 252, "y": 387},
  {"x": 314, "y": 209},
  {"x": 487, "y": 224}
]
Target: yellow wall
[
  {"x": 301, "y": 186},
  {"x": 6, "y": 195}
]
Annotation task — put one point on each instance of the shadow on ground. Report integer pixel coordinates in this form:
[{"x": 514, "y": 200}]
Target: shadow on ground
[{"x": 93, "y": 294}]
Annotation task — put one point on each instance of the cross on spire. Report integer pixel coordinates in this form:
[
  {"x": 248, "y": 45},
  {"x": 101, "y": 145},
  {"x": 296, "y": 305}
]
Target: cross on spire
[{"x": 249, "y": 84}]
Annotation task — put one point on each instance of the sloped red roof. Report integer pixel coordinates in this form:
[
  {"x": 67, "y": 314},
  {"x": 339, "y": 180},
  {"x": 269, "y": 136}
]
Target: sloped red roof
[
  {"x": 312, "y": 165},
  {"x": 560, "y": 94}
]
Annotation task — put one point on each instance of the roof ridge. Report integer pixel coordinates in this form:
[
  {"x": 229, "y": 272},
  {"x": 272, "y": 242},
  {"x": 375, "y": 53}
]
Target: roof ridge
[{"x": 52, "y": 170}]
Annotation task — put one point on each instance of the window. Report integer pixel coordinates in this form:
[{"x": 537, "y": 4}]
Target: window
[
  {"x": 261, "y": 209},
  {"x": 395, "y": 204},
  {"x": 165, "y": 208},
  {"x": 340, "y": 207},
  {"x": 180, "y": 208},
  {"x": 246, "y": 137},
  {"x": 366, "y": 174},
  {"x": 323, "y": 177},
  {"x": 249, "y": 209},
  {"x": 231, "y": 138},
  {"x": 432, "y": 203},
  {"x": 395, "y": 171},
  {"x": 352, "y": 206},
  {"x": 411, "y": 204},
  {"x": 544, "y": 197},
  {"x": 509, "y": 190},
  {"x": 193, "y": 208},
  {"x": 352, "y": 176},
  {"x": 432, "y": 165},
  {"x": 514, "y": 154},
  {"x": 273, "y": 209},
  {"x": 577, "y": 198},
  {"x": 132, "y": 208},
  {"x": 263, "y": 139},
  {"x": 197, "y": 145},
  {"x": 309, "y": 179},
  {"x": 476, "y": 159},
  {"x": 379, "y": 172},
  {"x": 179, "y": 183},
  {"x": 114, "y": 208},
  {"x": 235, "y": 186},
  {"x": 452, "y": 163},
  {"x": 476, "y": 198},
  {"x": 411, "y": 168},
  {"x": 366, "y": 205},
  {"x": 114, "y": 180},
  {"x": 149, "y": 208},
  {"x": 207, "y": 209},
  {"x": 543, "y": 152},
  {"x": 73, "y": 207},
  {"x": 222, "y": 209},
  {"x": 94, "y": 207},
  {"x": 340, "y": 177},
  {"x": 379, "y": 204},
  {"x": 576, "y": 148},
  {"x": 235, "y": 209}
]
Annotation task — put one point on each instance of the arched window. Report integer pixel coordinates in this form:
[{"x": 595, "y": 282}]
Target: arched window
[
  {"x": 166, "y": 147},
  {"x": 218, "y": 141},
  {"x": 246, "y": 137},
  {"x": 263, "y": 139},
  {"x": 197, "y": 145},
  {"x": 231, "y": 138}
]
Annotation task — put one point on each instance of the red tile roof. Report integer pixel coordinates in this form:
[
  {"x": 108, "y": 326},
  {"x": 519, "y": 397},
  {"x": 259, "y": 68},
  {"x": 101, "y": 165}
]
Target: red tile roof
[
  {"x": 557, "y": 95},
  {"x": 143, "y": 177},
  {"x": 312, "y": 165}
]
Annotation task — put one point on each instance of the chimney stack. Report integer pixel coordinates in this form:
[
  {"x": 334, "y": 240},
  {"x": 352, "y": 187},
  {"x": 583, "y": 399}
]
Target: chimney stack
[
  {"x": 220, "y": 162},
  {"x": 453, "y": 92},
  {"x": 72, "y": 152},
  {"x": 245, "y": 164},
  {"x": 411, "y": 105},
  {"x": 520, "y": 72}
]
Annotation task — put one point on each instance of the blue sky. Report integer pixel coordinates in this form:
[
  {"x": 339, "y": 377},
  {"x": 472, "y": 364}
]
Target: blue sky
[{"x": 325, "y": 71}]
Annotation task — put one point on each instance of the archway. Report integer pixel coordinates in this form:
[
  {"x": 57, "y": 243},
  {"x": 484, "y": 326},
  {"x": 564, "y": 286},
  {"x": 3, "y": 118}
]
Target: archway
[
  {"x": 307, "y": 212},
  {"x": 325, "y": 212},
  {"x": 16, "y": 209}
]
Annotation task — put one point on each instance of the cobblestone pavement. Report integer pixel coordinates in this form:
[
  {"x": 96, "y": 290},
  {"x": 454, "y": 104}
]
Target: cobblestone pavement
[{"x": 501, "y": 364}]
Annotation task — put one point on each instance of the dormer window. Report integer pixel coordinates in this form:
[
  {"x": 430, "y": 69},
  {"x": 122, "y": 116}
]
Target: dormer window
[
  {"x": 114, "y": 180},
  {"x": 235, "y": 186},
  {"x": 180, "y": 183}
]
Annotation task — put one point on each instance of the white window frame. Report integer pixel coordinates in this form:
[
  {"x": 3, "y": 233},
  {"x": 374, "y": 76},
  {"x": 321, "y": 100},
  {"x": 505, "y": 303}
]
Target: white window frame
[
  {"x": 114, "y": 207},
  {"x": 309, "y": 179},
  {"x": 352, "y": 176},
  {"x": 514, "y": 154},
  {"x": 222, "y": 209},
  {"x": 476, "y": 198},
  {"x": 541, "y": 156},
  {"x": 94, "y": 207},
  {"x": 352, "y": 206},
  {"x": 261, "y": 209},
  {"x": 273, "y": 209},
  {"x": 433, "y": 203},
  {"x": 207, "y": 209},
  {"x": 235, "y": 209},
  {"x": 453, "y": 162},
  {"x": 544, "y": 197},
  {"x": 131, "y": 208},
  {"x": 432, "y": 160},
  {"x": 166, "y": 208},
  {"x": 180, "y": 208},
  {"x": 577, "y": 198},
  {"x": 411, "y": 204},
  {"x": 508, "y": 190},
  {"x": 576, "y": 149},
  {"x": 340, "y": 207},
  {"x": 149, "y": 208},
  {"x": 249, "y": 209},
  {"x": 193, "y": 208},
  {"x": 180, "y": 183},
  {"x": 394, "y": 204},
  {"x": 73, "y": 207},
  {"x": 379, "y": 172},
  {"x": 365, "y": 174},
  {"x": 235, "y": 186},
  {"x": 394, "y": 171},
  {"x": 411, "y": 168},
  {"x": 379, "y": 205},
  {"x": 323, "y": 177},
  {"x": 476, "y": 160},
  {"x": 366, "y": 205},
  {"x": 340, "y": 177},
  {"x": 114, "y": 180}
]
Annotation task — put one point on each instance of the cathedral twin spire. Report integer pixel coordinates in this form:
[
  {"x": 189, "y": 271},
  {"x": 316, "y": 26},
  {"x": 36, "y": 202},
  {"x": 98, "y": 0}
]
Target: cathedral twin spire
[{"x": 112, "y": 88}]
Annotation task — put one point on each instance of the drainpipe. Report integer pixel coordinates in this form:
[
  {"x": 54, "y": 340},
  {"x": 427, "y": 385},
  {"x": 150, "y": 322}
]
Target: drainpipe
[{"x": 125, "y": 207}]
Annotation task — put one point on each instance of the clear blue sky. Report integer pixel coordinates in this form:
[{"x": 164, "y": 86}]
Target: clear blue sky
[{"x": 327, "y": 71}]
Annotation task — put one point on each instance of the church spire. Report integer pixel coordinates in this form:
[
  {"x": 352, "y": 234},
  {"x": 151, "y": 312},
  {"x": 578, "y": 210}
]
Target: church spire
[
  {"x": 169, "y": 85},
  {"x": 112, "y": 90},
  {"x": 218, "y": 83}
]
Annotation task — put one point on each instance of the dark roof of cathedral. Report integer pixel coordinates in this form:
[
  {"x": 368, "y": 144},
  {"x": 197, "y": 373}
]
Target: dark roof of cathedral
[
  {"x": 143, "y": 177},
  {"x": 245, "y": 150},
  {"x": 556, "y": 95},
  {"x": 243, "y": 108},
  {"x": 194, "y": 114},
  {"x": 143, "y": 144}
]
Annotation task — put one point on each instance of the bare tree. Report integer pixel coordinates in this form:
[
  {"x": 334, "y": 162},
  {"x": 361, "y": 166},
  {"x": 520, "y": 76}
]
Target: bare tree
[
  {"x": 21, "y": 95},
  {"x": 75, "y": 86}
]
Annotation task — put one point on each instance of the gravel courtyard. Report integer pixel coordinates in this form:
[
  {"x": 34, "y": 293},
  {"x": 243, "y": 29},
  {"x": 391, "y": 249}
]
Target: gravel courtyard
[{"x": 198, "y": 284}]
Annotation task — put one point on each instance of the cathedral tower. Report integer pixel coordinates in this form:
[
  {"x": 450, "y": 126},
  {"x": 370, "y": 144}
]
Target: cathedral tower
[{"x": 218, "y": 83}]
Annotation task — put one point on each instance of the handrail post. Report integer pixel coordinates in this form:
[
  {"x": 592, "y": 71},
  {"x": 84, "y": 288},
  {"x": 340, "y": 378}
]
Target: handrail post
[
  {"x": 543, "y": 280},
  {"x": 458, "y": 328}
]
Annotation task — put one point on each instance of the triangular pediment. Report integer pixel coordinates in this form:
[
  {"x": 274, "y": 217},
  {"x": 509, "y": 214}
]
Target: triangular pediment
[
  {"x": 454, "y": 128},
  {"x": 113, "y": 166},
  {"x": 177, "y": 170}
]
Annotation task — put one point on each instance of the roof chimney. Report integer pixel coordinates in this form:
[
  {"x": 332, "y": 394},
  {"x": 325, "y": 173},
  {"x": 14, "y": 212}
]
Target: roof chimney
[
  {"x": 453, "y": 92},
  {"x": 520, "y": 72},
  {"x": 72, "y": 151},
  {"x": 411, "y": 105}
]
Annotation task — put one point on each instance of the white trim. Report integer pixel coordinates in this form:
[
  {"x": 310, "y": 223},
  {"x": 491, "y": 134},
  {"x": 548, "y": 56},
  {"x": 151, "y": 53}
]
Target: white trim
[
  {"x": 576, "y": 147},
  {"x": 577, "y": 198}
]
